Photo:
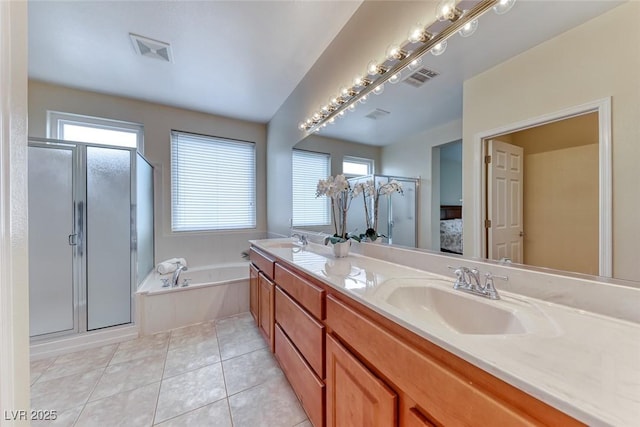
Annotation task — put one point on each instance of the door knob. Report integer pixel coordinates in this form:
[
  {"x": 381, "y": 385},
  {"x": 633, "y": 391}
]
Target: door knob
[{"x": 521, "y": 234}]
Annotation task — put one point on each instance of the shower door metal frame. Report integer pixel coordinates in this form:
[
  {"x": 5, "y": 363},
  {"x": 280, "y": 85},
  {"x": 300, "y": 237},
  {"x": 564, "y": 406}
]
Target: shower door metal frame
[{"x": 79, "y": 186}]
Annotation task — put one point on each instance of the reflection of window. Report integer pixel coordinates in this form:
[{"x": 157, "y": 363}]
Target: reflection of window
[
  {"x": 356, "y": 166},
  {"x": 95, "y": 130},
  {"x": 307, "y": 168},
  {"x": 213, "y": 183}
]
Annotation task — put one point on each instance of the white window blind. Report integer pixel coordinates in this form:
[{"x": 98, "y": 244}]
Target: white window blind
[
  {"x": 213, "y": 183},
  {"x": 307, "y": 168}
]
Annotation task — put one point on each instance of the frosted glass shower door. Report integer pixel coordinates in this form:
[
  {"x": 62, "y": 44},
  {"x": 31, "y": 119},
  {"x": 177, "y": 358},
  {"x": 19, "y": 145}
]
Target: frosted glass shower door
[
  {"x": 108, "y": 237},
  {"x": 51, "y": 236}
]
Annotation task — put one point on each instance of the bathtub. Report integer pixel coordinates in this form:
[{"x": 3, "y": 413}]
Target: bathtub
[{"x": 213, "y": 292}]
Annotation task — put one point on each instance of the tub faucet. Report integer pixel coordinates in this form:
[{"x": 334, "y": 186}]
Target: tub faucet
[
  {"x": 302, "y": 239},
  {"x": 176, "y": 274}
]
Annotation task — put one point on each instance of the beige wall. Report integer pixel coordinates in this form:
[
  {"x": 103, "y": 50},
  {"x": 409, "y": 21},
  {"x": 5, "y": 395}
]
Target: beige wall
[
  {"x": 560, "y": 208},
  {"x": 200, "y": 248},
  {"x": 596, "y": 60},
  {"x": 413, "y": 157}
]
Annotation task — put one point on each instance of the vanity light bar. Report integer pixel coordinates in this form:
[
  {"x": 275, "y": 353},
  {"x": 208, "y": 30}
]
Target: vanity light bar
[{"x": 350, "y": 96}]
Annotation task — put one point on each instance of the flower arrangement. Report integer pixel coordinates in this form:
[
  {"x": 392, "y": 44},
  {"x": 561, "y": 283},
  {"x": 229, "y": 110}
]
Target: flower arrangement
[
  {"x": 371, "y": 196},
  {"x": 341, "y": 194}
]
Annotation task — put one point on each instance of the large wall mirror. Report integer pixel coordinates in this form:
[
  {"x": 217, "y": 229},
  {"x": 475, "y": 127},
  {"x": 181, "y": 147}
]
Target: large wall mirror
[{"x": 527, "y": 90}]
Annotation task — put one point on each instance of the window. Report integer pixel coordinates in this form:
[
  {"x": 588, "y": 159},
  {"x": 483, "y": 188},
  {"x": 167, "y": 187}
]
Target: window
[
  {"x": 356, "y": 166},
  {"x": 95, "y": 130},
  {"x": 307, "y": 168},
  {"x": 213, "y": 183}
]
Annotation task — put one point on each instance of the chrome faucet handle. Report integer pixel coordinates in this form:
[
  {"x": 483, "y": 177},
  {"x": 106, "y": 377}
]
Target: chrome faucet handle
[
  {"x": 186, "y": 282},
  {"x": 460, "y": 276},
  {"x": 165, "y": 283},
  {"x": 489, "y": 287}
]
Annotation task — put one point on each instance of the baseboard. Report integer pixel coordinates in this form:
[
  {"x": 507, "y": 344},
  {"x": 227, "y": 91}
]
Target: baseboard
[{"x": 63, "y": 345}]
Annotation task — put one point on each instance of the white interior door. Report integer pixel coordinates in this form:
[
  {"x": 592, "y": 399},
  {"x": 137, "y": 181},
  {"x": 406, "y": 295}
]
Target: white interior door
[{"x": 504, "y": 201}]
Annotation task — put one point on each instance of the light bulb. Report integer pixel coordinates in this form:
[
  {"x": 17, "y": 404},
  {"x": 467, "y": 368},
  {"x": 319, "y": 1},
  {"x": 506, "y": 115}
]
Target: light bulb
[
  {"x": 503, "y": 6},
  {"x": 363, "y": 100},
  {"x": 439, "y": 49},
  {"x": 374, "y": 68},
  {"x": 347, "y": 92},
  {"x": 469, "y": 28},
  {"x": 419, "y": 34},
  {"x": 446, "y": 10},
  {"x": 378, "y": 89},
  {"x": 341, "y": 113},
  {"x": 395, "y": 52},
  {"x": 395, "y": 78},
  {"x": 415, "y": 64},
  {"x": 352, "y": 107},
  {"x": 301, "y": 126},
  {"x": 331, "y": 120},
  {"x": 360, "y": 81}
]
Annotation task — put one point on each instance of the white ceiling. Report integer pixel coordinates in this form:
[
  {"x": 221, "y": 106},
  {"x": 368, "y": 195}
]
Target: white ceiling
[
  {"x": 439, "y": 101},
  {"x": 238, "y": 59},
  {"x": 242, "y": 59}
]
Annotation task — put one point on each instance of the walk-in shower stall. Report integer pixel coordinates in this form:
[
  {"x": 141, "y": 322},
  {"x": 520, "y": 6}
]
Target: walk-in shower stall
[
  {"x": 90, "y": 235},
  {"x": 397, "y": 213}
]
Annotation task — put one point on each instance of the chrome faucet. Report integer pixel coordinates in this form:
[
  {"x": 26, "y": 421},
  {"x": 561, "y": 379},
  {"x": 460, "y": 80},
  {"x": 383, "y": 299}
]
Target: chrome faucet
[
  {"x": 302, "y": 239},
  {"x": 468, "y": 280},
  {"x": 176, "y": 274}
]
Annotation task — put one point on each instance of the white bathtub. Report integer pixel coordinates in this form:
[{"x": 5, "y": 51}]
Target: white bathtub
[{"x": 213, "y": 292}]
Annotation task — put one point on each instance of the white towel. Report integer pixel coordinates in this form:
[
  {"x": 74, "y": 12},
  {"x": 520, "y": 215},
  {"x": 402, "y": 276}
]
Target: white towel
[{"x": 170, "y": 265}]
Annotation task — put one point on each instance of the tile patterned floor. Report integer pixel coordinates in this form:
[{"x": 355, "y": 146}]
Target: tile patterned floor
[{"x": 211, "y": 374}]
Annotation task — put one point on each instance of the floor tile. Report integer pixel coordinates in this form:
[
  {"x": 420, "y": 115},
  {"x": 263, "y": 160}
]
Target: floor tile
[
  {"x": 65, "y": 392},
  {"x": 189, "y": 391},
  {"x": 193, "y": 356},
  {"x": 128, "y": 376},
  {"x": 305, "y": 423},
  {"x": 240, "y": 342},
  {"x": 214, "y": 415},
  {"x": 38, "y": 367},
  {"x": 79, "y": 362},
  {"x": 127, "y": 409},
  {"x": 271, "y": 404},
  {"x": 249, "y": 370},
  {"x": 149, "y": 346},
  {"x": 234, "y": 324},
  {"x": 197, "y": 328}
]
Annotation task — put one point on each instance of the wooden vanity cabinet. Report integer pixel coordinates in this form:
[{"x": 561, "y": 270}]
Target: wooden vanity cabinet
[
  {"x": 266, "y": 310},
  {"x": 262, "y": 293},
  {"x": 434, "y": 386},
  {"x": 355, "y": 396},
  {"x": 254, "y": 304},
  {"x": 300, "y": 338}
]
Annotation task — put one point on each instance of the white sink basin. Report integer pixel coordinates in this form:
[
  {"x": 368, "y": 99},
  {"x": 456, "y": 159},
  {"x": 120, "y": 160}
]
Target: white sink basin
[{"x": 432, "y": 301}]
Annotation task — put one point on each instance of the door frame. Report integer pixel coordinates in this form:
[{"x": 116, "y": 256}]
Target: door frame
[{"x": 603, "y": 108}]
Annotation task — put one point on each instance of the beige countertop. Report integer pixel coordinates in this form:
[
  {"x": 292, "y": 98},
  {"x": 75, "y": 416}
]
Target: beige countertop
[{"x": 584, "y": 364}]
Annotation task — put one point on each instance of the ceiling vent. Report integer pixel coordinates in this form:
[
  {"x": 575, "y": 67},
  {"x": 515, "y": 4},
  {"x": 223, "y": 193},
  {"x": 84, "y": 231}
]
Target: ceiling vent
[
  {"x": 420, "y": 77},
  {"x": 151, "y": 48},
  {"x": 378, "y": 113}
]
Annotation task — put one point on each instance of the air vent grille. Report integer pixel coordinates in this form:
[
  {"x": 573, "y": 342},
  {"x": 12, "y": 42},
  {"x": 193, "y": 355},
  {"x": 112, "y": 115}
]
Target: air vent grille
[
  {"x": 378, "y": 113},
  {"x": 151, "y": 48},
  {"x": 420, "y": 77}
]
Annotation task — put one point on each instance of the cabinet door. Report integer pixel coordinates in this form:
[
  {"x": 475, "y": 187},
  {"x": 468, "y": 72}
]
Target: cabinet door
[
  {"x": 266, "y": 295},
  {"x": 253, "y": 292},
  {"x": 356, "y": 397}
]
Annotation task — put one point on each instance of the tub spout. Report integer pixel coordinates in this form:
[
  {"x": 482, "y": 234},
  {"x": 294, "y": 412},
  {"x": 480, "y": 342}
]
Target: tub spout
[{"x": 176, "y": 274}]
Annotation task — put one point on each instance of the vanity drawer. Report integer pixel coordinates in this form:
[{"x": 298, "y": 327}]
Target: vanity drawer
[
  {"x": 310, "y": 296},
  {"x": 308, "y": 388},
  {"x": 263, "y": 261},
  {"x": 306, "y": 333}
]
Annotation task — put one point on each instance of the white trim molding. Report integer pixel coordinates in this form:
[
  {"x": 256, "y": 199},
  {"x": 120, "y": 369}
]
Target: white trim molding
[
  {"x": 14, "y": 292},
  {"x": 603, "y": 108}
]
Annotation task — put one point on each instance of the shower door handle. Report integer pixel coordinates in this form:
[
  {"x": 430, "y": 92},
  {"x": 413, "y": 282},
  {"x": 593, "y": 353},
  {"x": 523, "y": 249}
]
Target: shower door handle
[{"x": 72, "y": 239}]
